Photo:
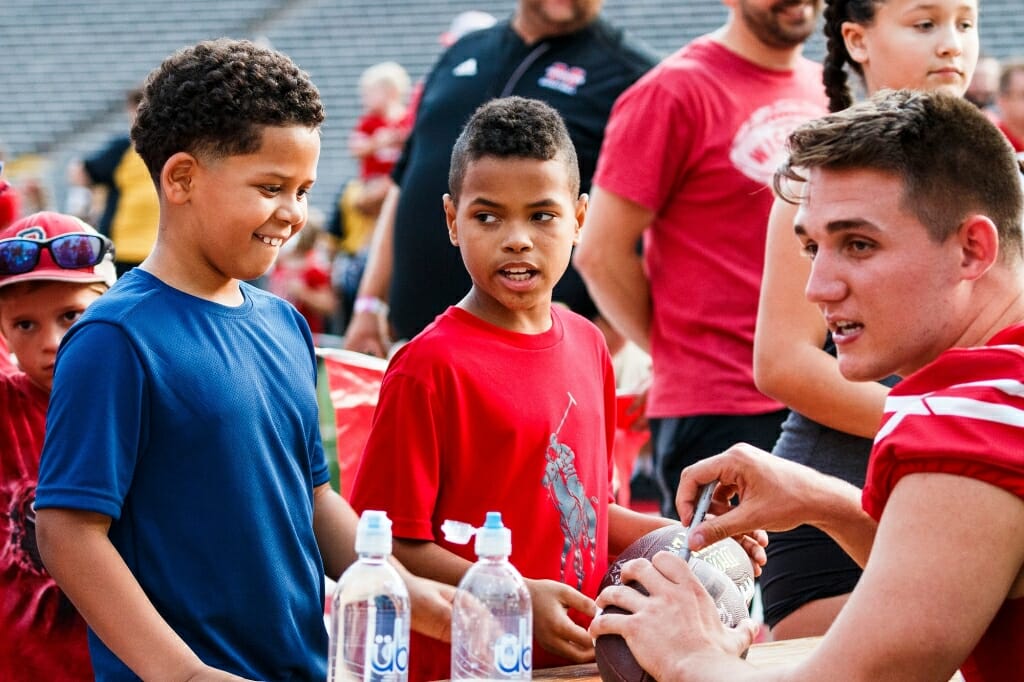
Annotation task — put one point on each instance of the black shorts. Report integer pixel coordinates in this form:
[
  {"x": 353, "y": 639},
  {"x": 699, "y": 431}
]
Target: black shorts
[
  {"x": 678, "y": 442},
  {"x": 804, "y": 564}
]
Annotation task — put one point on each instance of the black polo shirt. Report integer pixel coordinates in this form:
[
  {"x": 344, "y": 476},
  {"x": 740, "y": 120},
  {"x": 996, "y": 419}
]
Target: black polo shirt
[{"x": 580, "y": 75}]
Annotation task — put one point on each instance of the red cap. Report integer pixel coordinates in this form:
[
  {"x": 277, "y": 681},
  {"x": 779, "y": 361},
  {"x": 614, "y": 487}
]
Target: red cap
[{"x": 46, "y": 225}]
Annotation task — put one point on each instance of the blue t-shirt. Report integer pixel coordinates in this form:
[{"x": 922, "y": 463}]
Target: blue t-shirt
[{"x": 194, "y": 426}]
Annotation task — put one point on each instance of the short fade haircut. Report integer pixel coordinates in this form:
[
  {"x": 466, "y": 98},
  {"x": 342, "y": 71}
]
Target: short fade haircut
[
  {"x": 951, "y": 159},
  {"x": 215, "y": 97},
  {"x": 513, "y": 127}
]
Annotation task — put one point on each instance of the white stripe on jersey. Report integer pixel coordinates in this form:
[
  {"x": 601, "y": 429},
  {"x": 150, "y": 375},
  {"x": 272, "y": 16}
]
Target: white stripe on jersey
[{"x": 970, "y": 408}]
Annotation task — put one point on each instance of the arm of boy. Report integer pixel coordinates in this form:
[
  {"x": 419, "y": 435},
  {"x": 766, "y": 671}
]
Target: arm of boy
[
  {"x": 78, "y": 554},
  {"x": 334, "y": 523},
  {"x": 551, "y": 600},
  {"x": 626, "y": 526}
]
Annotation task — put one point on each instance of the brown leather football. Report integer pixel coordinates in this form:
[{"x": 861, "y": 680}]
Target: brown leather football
[{"x": 615, "y": 662}]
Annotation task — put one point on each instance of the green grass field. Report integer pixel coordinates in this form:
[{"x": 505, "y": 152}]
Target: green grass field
[{"x": 327, "y": 432}]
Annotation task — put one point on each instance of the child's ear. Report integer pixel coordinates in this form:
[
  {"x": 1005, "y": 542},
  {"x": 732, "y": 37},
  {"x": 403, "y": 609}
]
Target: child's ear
[
  {"x": 449, "y": 217},
  {"x": 978, "y": 239},
  {"x": 581, "y": 214},
  {"x": 853, "y": 36},
  {"x": 177, "y": 176}
]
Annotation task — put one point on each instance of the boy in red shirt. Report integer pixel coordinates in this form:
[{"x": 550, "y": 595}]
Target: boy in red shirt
[
  {"x": 51, "y": 267},
  {"x": 506, "y": 402}
]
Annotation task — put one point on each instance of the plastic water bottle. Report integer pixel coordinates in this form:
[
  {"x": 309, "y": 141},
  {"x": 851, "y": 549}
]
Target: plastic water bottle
[
  {"x": 492, "y": 618},
  {"x": 369, "y": 637}
]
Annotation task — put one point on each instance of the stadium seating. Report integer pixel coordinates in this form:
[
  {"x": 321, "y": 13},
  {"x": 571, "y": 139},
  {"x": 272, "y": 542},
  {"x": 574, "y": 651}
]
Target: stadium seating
[{"x": 68, "y": 63}]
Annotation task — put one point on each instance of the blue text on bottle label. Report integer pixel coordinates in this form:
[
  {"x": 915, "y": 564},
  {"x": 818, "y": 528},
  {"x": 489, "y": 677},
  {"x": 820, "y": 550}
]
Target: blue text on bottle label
[{"x": 513, "y": 652}]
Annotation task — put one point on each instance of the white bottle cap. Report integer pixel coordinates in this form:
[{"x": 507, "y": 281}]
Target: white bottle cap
[
  {"x": 373, "y": 534},
  {"x": 458, "y": 532},
  {"x": 493, "y": 538}
]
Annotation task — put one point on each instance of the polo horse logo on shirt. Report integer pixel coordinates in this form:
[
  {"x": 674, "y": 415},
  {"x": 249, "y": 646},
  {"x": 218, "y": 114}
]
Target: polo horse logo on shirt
[{"x": 577, "y": 514}]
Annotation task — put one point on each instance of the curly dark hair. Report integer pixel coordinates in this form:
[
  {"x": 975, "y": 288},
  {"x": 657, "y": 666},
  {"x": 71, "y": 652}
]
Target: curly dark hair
[
  {"x": 215, "y": 98},
  {"x": 513, "y": 127},
  {"x": 949, "y": 156},
  {"x": 836, "y": 56}
]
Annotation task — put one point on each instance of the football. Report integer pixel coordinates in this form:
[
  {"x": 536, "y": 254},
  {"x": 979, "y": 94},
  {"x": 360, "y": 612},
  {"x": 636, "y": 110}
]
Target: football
[{"x": 724, "y": 559}]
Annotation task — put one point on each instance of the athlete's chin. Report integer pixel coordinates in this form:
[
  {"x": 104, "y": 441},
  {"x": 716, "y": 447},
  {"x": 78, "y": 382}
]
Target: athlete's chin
[{"x": 853, "y": 369}]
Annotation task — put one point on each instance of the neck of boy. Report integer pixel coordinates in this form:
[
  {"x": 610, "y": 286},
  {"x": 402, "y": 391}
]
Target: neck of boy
[
  {"x": 535, "y": 320},
  {"x": 182, "y": 276}
]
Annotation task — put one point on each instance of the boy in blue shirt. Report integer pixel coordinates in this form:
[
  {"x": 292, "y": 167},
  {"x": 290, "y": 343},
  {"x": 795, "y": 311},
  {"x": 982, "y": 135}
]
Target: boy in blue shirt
[{"x": 184, "y": 502}]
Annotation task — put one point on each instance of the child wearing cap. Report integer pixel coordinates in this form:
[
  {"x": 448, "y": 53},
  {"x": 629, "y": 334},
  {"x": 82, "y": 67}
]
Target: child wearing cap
[
  {"x": 52, "y": 266},
  {"x": 186, "y": 506},
  {"x": 10, "y": 208}
]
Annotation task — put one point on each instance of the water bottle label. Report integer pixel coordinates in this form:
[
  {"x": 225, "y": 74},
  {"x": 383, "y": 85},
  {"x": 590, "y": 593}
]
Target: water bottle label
[
  {"x": 389, "y": 652},
  {"x": 369, "y": 642},
  {"x": 513, "y": 653}
]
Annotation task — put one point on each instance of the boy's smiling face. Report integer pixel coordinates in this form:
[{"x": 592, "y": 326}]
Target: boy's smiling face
[
  {"x": 34, "y": 318},
  {"x": 245, "y": 207},
  {"x": 515, "y": 222}
]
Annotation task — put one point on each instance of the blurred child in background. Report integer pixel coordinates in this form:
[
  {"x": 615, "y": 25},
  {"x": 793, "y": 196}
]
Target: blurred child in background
[
  {"x": 381, "y": 131},
  {"x": 52, "y": 266},
  {"x": 302, "y": 275}
]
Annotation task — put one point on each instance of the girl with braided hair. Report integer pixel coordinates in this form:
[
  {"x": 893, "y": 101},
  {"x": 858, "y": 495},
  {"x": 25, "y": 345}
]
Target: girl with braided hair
[{"x": 885, "y": 44}]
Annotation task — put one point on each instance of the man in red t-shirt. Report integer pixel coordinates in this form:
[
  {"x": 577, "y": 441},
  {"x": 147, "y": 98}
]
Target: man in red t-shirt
[
  {"x": 918, "y": 269},
  {"x": 687, "y": 157}
]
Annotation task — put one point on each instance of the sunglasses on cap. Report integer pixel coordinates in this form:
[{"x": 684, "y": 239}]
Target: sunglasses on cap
[{"x": 72, "y": 251}]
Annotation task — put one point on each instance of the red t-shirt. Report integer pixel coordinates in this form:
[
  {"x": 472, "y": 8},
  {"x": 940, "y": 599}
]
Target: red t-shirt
[
  {"x": 382, "y": 160},
  {"x": 474, "y": 418},
  {"x": 962, "y": 414},
  {"x": 43, "y": 637},
  {"x": 697, "y": 140}
]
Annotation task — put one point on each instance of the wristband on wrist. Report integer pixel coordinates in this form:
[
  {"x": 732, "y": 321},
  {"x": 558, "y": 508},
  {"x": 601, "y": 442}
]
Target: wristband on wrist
[{"x": 370, "y": 304}]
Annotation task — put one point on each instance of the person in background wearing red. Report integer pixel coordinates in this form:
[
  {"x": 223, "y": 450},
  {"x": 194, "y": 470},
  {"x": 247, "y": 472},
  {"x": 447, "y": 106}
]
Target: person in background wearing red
[
  {"x": 52, "y": 266},
  {"x": 1010, "y": 101}
]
